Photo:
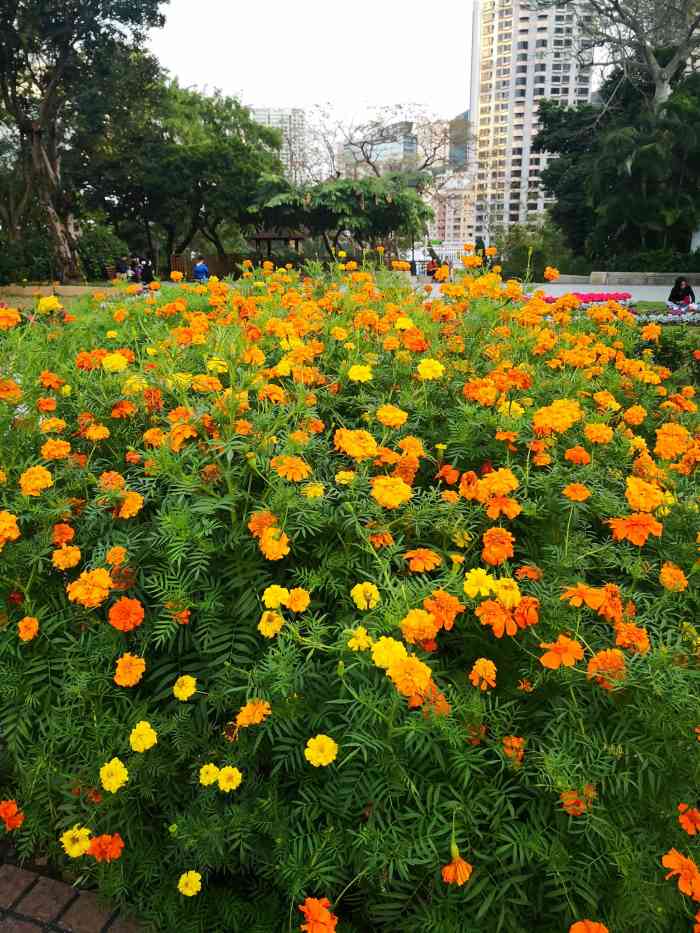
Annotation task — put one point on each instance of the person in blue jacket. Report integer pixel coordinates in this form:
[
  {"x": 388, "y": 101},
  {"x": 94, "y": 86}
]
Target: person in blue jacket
[{"x": 201, "y": 271}]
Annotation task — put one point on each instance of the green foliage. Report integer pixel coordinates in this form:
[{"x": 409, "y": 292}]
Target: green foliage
[{"x": 371, "y": 830}]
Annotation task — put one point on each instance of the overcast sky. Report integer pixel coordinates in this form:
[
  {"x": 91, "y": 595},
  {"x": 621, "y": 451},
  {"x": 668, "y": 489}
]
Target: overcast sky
[{"x": 355, "y": 55}]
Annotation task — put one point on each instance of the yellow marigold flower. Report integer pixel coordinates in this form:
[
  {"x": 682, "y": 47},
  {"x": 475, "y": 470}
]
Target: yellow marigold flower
[
  {"x": 430, "y": 369},
  {"x": 49, "y": 304},
  {"x": 275, "y": 596},
  {"x": 66, "y": 557},
  {"x": 339, "y": 333},
  {"x": 299, "y": 600},
  {"x": 359, "y": 639},
  {"x": 359, "y": 373},
  {"x": 507, "y": 592},
  {"x": 114, "y": 363},
  {"x": 386, "y": 651},
  {"x": 8, "y": 528},
  {"x": 390, "y": 492},
  {"x": 270, "y": 624},
  {"x": 184, "y": 687},
  {"x": 217, "y": 365},
  {"x": 208, "y": 774},
  {"x": 229, "y": 779},
  {"x": 190, "y": 882},
  {"x": 511, "y": 410},
  {"x": 365, "y": 595},
  {"x": 345, "y": 477},
  {"x": 76, "y": 841},
  {"x": 143, "y": 736},
  {"x": 391, "y": 416},
  {"x": 34, "y": 480},
  {"x": 113, "y": 775},
  {"x": 403, "y": 323},
  {"x": 313, "y": 491},
  {"x": 478, "y": 583},
  {"x": 320, "y": 751}
]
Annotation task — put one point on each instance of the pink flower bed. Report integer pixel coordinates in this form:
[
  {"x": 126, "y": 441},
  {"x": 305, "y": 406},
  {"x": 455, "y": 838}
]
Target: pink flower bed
[{"x": 589, "y": 298}]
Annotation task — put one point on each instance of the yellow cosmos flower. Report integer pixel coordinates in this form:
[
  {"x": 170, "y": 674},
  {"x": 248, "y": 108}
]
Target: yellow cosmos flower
[
  {"x": 190, "y": 883},
  {"x": 76, "y": 841},
  {"x": 321, "y": 751},
  {"x": 185, "y": 687}
]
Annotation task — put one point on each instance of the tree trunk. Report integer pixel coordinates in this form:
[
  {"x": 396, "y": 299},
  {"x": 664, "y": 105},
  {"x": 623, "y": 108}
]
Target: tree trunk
[
  {"x": 327, "y": 244},
  {"x": 662, "y": 90}
]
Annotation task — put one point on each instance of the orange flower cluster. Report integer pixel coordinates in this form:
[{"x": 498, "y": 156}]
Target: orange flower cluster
[
  {"x": 318, "y": 916},
  {"x": 10, "y": 814}
]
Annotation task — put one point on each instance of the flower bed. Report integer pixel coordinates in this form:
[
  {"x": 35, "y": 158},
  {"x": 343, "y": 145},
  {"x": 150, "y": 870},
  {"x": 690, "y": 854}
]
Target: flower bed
[{"x": 328, "y": 605}]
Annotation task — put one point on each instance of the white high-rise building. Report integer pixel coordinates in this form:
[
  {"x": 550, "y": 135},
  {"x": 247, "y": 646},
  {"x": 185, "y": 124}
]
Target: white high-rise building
[
  {"x": 292, "y": 124},
  {"x": 521, "y": 54}
]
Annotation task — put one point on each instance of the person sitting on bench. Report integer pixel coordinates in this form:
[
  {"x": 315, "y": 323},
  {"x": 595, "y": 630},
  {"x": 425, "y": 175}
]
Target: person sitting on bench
[{"x": 682, "y": 297}]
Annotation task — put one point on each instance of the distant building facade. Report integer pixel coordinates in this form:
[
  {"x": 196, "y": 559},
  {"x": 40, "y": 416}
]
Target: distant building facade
[
  {"x": 521, "y": 53},
  {"x": 292, "y": 125}
]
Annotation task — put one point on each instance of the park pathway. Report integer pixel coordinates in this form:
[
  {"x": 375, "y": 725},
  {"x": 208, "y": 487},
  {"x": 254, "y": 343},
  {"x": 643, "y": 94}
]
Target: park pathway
[{"x": 31, "y": 903}]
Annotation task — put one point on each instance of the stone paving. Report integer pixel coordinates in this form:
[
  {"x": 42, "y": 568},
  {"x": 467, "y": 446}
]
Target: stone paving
[{"x": 31, "y": 903}]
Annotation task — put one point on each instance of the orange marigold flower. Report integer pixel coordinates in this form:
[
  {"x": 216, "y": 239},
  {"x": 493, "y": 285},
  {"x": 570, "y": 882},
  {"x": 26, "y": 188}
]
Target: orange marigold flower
[
  {"x": 418, "y": 626},
  {"x": 126, "y": 614},
  {"x": 130, "y": 670},
  {"x": 381, "y": 539},
  {"x": 498, "y": 546},
  {"x": 253, "y": 713},
  {"x": 572, "y": 803},
  {"x": 562, "y": 652},
  {"x": 528, "y": 572},
  {"x": 598, "y": 433},
  {"x": 410, "y": 676},
  {"x": 635, "y": 415},
  {"x": 106, "y": 848},
  {"x": 483, "y": 674},
  {"x": 50, "y": 380},
  {"x": 55, "y": 450},
  {"x": 672, "y": 577},
  {"x": 577, "y": 492},
  {"x": 588, "y": 926},
  {"x": 28, "y": 628},
  {"x": 360, "y": 445},
  {"x": 578, "y": 455},
  {"x": 422, "y": 559},
  {"x": 502, "y": 505},
  {"x": 66, "y": 557},
  {"x": 685, "y": 870},
  {"x": 291, "y": 468},
  {"x": 274, "y": 543},
  {"x": 527, "y": 612},
  {"x": 457, "y": 871},
  {"x": 154, "y": 437},
  {"x": 689, "y": 818},
  {"x": 46, "y": 404},
  {"x": 607, "y": 668},
  {"x": 318, "y": 917},
  {"x": 62, "y": 534},
  {"x": 116, "y": 555},
  {"x": 34, "y": 480},
  {"x": 629, "y": 635},
  {"x": 91, "y": 588},
  {"x": 111, "y": 480},
  {"x": 635, "y": 528},
  {"x": 391, "y": 416},
  {"x": 259, "y": 521},
  {"x": 501, "y": 620},
  {"x": 643, "y": 496},
  {"x": 514, "y": 748},
  {"x": 581, "y": 593},
  {"x": 298, "y": 600},
  {"x": 671, "y": 441},
  {"x": 131, "y": 504},
  {"x": 444, "y": 607},
  {"x": 557, "y": 417},
  {"x": 11, "y": 815}
]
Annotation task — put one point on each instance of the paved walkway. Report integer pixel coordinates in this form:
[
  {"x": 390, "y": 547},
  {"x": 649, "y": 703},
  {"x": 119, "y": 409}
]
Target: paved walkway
[{"x": 30, "y": 903}]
